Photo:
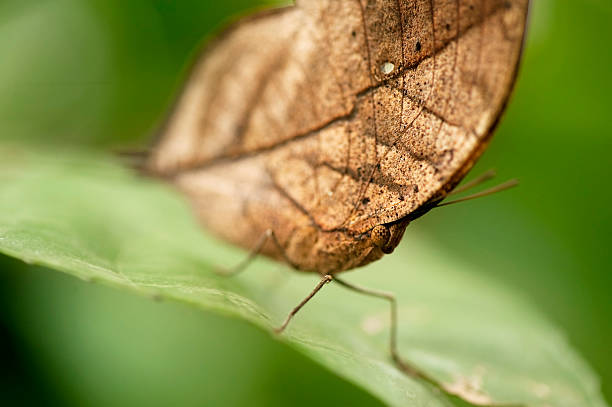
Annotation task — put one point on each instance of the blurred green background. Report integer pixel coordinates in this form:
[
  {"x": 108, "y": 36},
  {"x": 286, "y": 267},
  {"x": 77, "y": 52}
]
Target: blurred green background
[{"x": 102, "y": 72}]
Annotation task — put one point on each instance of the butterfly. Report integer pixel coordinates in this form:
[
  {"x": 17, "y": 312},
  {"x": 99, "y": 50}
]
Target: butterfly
[{"x": 315, "y": 133}]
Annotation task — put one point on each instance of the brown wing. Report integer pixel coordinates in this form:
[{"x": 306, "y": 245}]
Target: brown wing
[{"x": 342, "y": 113}]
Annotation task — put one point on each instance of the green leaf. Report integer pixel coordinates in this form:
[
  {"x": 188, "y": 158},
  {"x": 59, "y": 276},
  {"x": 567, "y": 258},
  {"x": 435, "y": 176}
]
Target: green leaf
[{"x": 81, "y": 213}]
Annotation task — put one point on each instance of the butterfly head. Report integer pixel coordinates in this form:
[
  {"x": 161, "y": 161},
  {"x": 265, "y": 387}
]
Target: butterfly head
[{"x": 387, "y": 237}]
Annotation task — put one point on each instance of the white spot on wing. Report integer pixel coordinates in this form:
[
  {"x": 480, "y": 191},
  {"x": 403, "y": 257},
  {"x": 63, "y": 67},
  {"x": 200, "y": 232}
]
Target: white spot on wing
[{"x": 387, "y": 68}]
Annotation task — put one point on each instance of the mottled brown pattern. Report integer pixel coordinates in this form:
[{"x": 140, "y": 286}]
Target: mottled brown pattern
[{"x": 329, "y": 120}]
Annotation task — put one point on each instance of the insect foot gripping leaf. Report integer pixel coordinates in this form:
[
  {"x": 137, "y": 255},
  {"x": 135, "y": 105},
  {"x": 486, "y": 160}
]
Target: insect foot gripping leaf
[{"x": 317, "y": 132}]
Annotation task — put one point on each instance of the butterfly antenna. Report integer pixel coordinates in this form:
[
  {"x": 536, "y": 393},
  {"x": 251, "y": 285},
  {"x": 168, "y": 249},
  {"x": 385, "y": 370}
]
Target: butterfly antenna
[
  {"x": 473, "y": 183},
  {"x": 487, "y": 192}
]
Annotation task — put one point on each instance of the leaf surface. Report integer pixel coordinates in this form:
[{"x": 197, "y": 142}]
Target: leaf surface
[{"x": 82, "y": 214}]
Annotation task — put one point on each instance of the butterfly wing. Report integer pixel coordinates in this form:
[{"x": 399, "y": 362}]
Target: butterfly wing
[{"x": 340, "y": 114}]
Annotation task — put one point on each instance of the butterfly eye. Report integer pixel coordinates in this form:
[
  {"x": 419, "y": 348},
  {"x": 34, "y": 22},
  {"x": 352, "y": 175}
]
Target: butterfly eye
[{"x": 380, "y": 236}]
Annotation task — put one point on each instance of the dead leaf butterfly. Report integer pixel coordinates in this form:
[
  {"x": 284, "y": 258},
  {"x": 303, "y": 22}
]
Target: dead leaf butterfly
[{"x": 315, "y": 133}]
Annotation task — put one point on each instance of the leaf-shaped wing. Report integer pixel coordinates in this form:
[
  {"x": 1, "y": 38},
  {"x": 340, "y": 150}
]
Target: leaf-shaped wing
[{"x": 342, "y": 114}]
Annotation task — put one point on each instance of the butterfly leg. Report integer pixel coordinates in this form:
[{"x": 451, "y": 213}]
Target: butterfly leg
[
  {"x": 267, "y": 236},
  {"x": 404, "y": 366},
  {"x": 324, "y": 280},
  {"x": 400, "y": 363}
]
